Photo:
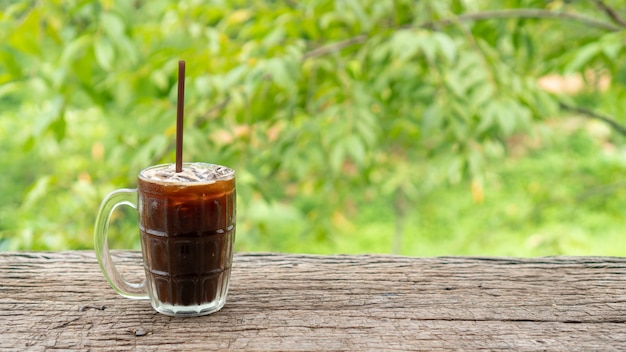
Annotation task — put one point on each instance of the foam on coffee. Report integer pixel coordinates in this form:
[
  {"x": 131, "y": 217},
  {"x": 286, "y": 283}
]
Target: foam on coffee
[{"x": 191, "y": 173}]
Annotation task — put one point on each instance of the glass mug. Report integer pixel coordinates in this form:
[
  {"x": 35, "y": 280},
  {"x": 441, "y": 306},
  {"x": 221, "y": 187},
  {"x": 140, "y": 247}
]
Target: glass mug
[{"x": 187, "y": 229}]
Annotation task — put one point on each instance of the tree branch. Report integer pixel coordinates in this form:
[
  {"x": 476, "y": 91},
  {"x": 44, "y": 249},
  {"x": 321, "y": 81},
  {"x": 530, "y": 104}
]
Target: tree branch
[
  {"x": 335, "y": 47},
  {"x": 215, "y": 109},
  {"x": 523, "y": 13},
  {"x": 613, "y": 15},
  {"x": 469, "y": 17},
  {"x": 592, "y": 114}
]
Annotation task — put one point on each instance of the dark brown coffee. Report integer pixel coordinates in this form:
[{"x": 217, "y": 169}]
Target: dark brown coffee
[{"x": 187, "y": 234}]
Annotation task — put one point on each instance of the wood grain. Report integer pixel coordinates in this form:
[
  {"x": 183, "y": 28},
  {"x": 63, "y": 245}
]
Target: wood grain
[{"x": 285, "y": 302}]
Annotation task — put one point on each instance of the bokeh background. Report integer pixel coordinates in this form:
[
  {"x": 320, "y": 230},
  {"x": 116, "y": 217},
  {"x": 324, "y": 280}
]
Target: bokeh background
[{"x": 432, "y": 127}]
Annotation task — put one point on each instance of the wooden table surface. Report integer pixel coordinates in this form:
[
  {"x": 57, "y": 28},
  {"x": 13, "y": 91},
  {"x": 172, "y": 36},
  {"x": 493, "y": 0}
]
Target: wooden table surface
[{"x": 305, "y": 302}]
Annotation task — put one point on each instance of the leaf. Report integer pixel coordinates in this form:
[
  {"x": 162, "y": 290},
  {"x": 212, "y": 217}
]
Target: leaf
[
  {"x": 10, "y": 63},
  {"x": 234, "y": 77},
  {"x": 202, "y": 85},
  {"x": 367, "y": 132},
  {"x": 446, "y": 46},
  {"x": 105, "y": 53},
  {"x": 611, "y": 49},
  {"x": 583, "y": 56},
  {"x": 507, "y": 115},
  {"x": 53, "y": 111},
  {"x": 357, "y": 8},
  {"x": 327, "y": 20},
  {"x": 428, "y": 45},
  {"x": 59, "y": 126},
  {"x": 432, "y": 119},
  {"x": 337, "y": 156},
  {"x": 454, "y": 83},
  {"x": 160, "y": 79},
  {"x": 36, "y": 191},
  {"x": 75, "y": 49},
  {"x": 280, "y": 75},
  {"x": 333, "y": 126},
  {"x": 354, "y": 147},
  {"x": 112, "y": 24},
  {"x": 547, "y": 104},
  {"x": 524, "y": 117},
  {"x": 455, "y": 169},
  {"x": 213, "y": 37},
  {"x": 25, "y": 36},
  {"x": 487, "y": 116},
  {"x": 404, "y": 44},
  {"x": 7, "y": 89},
  {"x": 466, "y": 79},
  {"x": 127, "y": 49},
  {"x": 482, "y": 94},
  {"x": 29, "y": 144}
]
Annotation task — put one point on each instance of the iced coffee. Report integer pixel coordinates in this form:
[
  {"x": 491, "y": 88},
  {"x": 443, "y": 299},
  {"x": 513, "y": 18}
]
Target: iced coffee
[{"x": 187, "y": 226}]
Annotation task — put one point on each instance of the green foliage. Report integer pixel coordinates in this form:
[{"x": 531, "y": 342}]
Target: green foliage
[{"x": 325, "y": 108}]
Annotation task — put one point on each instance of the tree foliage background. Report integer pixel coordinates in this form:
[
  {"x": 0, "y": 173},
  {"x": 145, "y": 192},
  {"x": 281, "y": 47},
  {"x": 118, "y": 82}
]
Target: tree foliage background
[{"x": 353, "y": 118}]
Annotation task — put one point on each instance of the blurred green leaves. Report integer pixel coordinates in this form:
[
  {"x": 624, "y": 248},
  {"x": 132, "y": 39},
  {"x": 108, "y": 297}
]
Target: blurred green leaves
[{"x": 311, "y": 102}]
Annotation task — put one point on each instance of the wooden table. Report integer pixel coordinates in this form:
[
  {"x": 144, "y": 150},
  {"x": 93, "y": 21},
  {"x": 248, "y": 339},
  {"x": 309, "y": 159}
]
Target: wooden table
[{"x": 305, "y": 302}]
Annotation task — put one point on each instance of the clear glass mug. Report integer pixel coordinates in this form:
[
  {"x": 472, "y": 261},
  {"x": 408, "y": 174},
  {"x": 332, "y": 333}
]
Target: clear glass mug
[{"x": 187, "y": 230}]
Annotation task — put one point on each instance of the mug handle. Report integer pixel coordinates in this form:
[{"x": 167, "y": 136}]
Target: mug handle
[{"x": 113, "y": 277}]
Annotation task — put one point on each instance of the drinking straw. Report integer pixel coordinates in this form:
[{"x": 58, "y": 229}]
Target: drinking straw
[{"x": 180, "y": 107}]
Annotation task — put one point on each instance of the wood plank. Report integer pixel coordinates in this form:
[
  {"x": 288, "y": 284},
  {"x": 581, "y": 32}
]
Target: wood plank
[{"x": 307, "y": 302}]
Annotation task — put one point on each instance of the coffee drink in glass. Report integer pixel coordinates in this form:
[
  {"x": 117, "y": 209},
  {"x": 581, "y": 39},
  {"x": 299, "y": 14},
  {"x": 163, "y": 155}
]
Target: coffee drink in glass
[{"x": 187, "y": 229}]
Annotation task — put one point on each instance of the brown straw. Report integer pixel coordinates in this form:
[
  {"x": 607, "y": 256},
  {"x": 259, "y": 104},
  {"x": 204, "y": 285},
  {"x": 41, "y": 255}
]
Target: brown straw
[{"x": 180, "y": 105}]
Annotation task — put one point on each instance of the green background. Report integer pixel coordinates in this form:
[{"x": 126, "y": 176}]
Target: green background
[{"x": 355, "y": 126}]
